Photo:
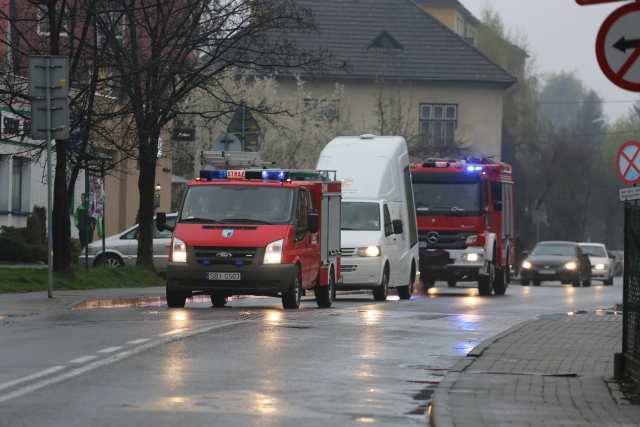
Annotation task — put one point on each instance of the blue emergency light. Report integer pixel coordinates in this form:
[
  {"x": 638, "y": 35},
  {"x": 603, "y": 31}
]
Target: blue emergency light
[
  {"x": 474, "y": 168},
  {"x": 274, "y": 175},
  {"x": 213, "y": 174}
]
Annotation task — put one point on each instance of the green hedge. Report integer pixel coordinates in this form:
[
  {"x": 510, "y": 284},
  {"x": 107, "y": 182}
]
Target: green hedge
[{"x": 14, "y": 250}]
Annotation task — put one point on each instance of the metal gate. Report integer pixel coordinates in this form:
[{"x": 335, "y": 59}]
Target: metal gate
[{"x": 631, "y": 293}]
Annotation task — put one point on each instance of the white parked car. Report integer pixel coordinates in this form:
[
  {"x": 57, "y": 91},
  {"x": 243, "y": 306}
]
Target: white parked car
[
  {"x": 602, "y": 266},
  {"x": 122, "y": 249}
]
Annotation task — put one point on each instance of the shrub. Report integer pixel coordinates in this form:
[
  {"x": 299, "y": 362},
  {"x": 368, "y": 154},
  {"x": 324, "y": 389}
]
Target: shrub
[
  {"x": 12, "y": 250},
  {"x": 36, "y": 232}
]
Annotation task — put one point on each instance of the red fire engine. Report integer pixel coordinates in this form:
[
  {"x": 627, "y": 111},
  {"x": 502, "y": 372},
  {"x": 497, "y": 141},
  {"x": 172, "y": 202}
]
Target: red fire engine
[
  {"x": 256, "y": 232},
  {"x": 465, "y": 212}
]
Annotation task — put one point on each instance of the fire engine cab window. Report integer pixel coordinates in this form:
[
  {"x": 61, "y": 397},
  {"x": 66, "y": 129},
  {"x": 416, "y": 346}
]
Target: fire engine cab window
[
  {"x": 238, "y": 204},
  {"x": 451, "y": 198},
  {"x": 360, "y": 216},
  {"x": 302, "y": 210},
  {"x": 496, "y": 189}
]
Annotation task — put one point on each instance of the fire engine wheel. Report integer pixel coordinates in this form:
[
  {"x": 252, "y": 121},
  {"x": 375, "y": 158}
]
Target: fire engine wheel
[
  {"x": 175, "y": 298},
  {"x": 586, "y": 283},
  {"x": 218, "y": 300},
  {"x": 381, "y": 293},
  {"x": 484, "y": 286},
  {"x": 500, "y": 282},
  {"x": 291, "y": 298},
  {"x": 324, "y": 293}
]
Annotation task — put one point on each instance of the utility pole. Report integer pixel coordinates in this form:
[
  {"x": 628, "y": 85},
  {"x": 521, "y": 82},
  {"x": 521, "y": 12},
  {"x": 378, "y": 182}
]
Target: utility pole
[{"x": 49, "y": 77}]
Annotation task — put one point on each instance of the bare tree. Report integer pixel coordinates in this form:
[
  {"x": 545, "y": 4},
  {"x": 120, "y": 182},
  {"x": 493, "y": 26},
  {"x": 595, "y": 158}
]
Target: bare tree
[
  {"x": 160, "y": 51},
  {"x": 59, "y": 27}
]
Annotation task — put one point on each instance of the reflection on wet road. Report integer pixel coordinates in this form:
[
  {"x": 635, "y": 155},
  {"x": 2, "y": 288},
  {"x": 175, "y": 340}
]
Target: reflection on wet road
[{"x": 252, "y": 363}]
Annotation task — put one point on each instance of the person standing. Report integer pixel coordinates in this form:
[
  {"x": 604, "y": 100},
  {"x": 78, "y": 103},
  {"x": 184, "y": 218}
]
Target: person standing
[{"x": 84, "y": 222}]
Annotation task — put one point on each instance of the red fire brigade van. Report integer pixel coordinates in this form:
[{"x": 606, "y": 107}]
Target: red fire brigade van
[
  {"x": 465, "y": 215},
  {"x": 256, "y": 232}
]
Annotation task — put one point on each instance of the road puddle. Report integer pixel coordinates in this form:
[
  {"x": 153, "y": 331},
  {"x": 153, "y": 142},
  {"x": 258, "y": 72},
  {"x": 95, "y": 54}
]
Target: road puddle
[{"x": 107, "y": 303}]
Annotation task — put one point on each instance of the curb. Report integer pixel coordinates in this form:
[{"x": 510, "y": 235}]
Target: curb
[{"x": 440, "y": 414}]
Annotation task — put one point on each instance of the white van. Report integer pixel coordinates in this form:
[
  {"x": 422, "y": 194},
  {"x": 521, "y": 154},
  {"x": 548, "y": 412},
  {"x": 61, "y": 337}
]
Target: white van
[{"x": 379, "y": 230}]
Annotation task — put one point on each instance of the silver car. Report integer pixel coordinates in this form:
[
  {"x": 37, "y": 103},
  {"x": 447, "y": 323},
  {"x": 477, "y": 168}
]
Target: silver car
[
  {"x": 602, "y": 265},
  {"x": 122, "y": 249}
]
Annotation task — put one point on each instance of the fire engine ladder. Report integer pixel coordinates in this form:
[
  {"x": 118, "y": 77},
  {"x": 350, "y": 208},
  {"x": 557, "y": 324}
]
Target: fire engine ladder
[{"x": 232, "y": 159}]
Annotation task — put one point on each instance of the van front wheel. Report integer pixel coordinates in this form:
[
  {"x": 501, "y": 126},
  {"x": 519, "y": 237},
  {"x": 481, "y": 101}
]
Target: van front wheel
[{"x": 381, "y": 292}]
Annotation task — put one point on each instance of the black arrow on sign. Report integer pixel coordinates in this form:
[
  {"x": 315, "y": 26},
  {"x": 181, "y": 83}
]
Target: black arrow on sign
[{"x": 623, "y": 44}]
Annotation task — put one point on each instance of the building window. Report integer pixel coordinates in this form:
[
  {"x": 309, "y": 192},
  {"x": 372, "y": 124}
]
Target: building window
[
  {"x": 10, "y": 126},
  {"x": 26, "y": 128},
  {"x": 471, "y": 34},
  {"x": 43, "y": 21},
  {"x": 18, "y": 184},
  {"x": 438, "y": 124},
  {"x": 460, "y": 26},
  {"x": 110, "y": 25}
]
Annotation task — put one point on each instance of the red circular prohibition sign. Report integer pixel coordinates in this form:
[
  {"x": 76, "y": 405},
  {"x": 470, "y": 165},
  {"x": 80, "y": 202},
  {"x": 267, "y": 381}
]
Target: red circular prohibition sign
[
  {"x": 630, "y": 152},
  {"x": 616, "y": 76}
]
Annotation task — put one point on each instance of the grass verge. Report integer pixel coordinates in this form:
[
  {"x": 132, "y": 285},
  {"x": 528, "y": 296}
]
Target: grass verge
[{"x": 15, "y": 280}]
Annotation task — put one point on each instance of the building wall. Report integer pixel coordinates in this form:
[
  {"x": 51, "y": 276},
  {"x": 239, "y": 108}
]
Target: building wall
[
  {"x": 121, "y": 189},
  {"x": 480, "y": 108},
  {"x": 122, "y": 198},
  {"x": 447, "y": 16},
  {"x": 34, "y": 188}
]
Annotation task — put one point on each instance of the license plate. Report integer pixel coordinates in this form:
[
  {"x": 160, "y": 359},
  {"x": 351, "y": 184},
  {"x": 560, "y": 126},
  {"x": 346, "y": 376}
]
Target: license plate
[
  {"x": 223, "y": 276},
  {"x": 547, "y": 272}
]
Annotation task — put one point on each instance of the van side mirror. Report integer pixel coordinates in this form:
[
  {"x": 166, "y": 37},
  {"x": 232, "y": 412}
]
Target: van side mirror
[
  {"x": 161, "y": 222},
  {"x": 312, "y": 219},
  {"x": 397, "y": 226}
]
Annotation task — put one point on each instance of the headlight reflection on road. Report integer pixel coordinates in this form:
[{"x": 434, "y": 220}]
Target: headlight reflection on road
[
  {"x": 173, "y": 371},
  {"x": 569, "y": 299},
  {"x": 371, "y": 316},
  {"x": 366, "y": 420},
  {"x": 273, "y": 316},
  {"x": 177, "y": 399},
  {"x": 265, "y": 405},
  {"x": 180, "y": 316}
]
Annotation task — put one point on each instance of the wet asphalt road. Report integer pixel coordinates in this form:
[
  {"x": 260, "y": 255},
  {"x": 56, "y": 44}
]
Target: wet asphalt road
[{"x": 358, "y": 363}]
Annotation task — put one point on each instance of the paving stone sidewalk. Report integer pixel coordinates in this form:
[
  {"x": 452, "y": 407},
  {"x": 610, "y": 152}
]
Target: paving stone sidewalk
[{"x": 553, "y": 371}]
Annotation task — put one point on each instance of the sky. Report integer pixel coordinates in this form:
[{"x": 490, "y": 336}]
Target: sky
[{"x": 561, "y": 37}]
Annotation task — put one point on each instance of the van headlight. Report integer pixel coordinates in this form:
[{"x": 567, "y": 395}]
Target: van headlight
[
  {"x": 472, "y": 257},
  {"x": 571, "y": 266},
  {"x": 370, "y": 251},
  {"x": 600, "y": 267},
  {"x": 273, "y": 252},
  {"x": 178, "y": 251},
  {"x": 526, "y": 265}
]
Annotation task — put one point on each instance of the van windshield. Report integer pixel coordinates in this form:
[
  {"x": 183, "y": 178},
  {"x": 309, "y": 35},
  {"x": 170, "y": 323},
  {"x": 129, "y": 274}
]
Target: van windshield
[
  {"x": 238, "y": 204},
  {"x": 361, "y": 216},
  {"x": 447, "y": 198}
]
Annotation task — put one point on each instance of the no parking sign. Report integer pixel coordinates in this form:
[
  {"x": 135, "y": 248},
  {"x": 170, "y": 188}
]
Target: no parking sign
[{"x": 628, "y": 162}]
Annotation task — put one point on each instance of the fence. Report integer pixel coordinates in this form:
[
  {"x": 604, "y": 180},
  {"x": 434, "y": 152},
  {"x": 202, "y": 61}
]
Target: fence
[{"x": 631, "y": 293}]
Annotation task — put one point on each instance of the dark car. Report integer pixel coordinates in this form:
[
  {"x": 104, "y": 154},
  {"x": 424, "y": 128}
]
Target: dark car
[{"x": 556, "y": 261}]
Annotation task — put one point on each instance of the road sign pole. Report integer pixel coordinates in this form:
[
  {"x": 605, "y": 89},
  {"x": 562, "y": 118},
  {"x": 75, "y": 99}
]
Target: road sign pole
[{"x": 49, "y": 174}]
